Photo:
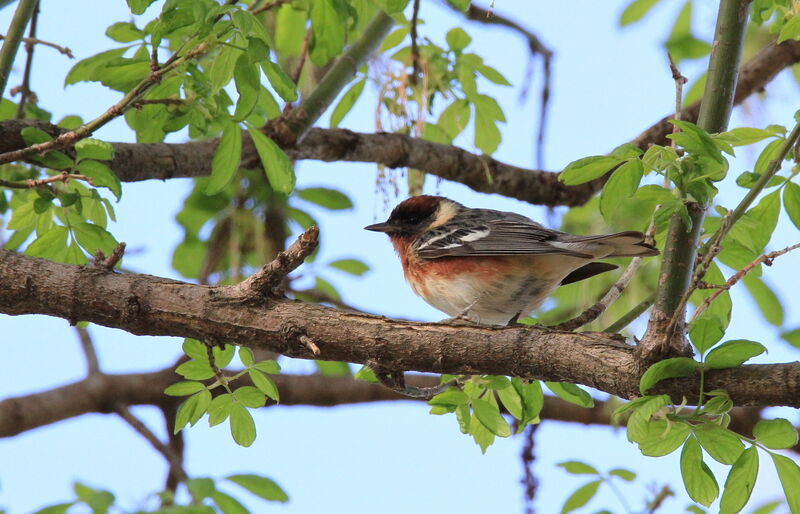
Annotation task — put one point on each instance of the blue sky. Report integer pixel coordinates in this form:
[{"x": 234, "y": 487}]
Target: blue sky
[{"x": 608, "y": 85}]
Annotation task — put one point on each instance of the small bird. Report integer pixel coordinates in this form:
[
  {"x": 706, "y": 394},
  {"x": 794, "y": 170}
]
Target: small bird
[{"x": 492, "y": 267}]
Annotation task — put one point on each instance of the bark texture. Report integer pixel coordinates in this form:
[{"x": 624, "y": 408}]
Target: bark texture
[{"x": 147, "y": 305}]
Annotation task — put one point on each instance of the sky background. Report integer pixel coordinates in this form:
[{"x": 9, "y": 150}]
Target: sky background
[{"x": 608, "y": 85}]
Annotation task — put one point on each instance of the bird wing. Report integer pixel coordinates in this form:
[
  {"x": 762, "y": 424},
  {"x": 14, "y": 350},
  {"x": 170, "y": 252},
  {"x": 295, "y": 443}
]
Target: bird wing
[{"x": 484, "y": 232}]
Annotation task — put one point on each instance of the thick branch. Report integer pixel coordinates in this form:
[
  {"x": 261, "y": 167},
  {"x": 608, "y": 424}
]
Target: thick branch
[
  {"x": 682, "y": 240},
  {"x": 146, "y": 305},
  {"x": 12, "y": 39},
  {"x": 100, "y": 393},
  {"x": 136, "y": 162}
]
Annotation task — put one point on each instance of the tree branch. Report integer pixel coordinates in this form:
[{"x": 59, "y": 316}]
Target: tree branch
[
  {"x": 99, "y": 394},
  {"x": 677, "y": 265},
  {"x": 147, "y": 305},
  {"x": 12, "y": 39},
  {"x": 136, "y": 162}
]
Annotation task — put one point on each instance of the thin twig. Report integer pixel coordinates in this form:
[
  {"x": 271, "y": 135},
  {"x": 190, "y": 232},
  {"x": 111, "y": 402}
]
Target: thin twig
[
  {"x": 766, "y": 259},
  {"x": 101, "y": 261},
  {"x": 39, "y": 182},
  {"x": 298, "y": 70},
  {"x": 627, "y": 318},
  {"x": 268, "y": 6},
  {"x": 680, "y": 80},
  {"x": 267, "y": 280},
  {"x": 610, "y": 297},
  {"x": 25, "y": 88},
  {"x": 414, "y": 47},
  {"x": 71, "y": 137},
  {"x": 175, "y": 461},
  {"x": 158, "y": 101},
  {"x": 34, "y": 41},
  {"x": 92, "y": 365}
]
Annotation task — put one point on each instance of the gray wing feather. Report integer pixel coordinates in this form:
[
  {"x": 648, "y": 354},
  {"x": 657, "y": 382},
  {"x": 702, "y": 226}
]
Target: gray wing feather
[{"x": 483, "y": 232}]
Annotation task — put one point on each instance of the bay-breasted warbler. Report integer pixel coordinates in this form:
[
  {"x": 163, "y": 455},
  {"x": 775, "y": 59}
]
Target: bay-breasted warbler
[{"x": 489, "y": 266}]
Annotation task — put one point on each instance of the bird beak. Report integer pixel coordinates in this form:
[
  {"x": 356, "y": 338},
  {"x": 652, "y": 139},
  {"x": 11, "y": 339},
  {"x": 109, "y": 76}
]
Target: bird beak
[{"x": 385, "y": 227}]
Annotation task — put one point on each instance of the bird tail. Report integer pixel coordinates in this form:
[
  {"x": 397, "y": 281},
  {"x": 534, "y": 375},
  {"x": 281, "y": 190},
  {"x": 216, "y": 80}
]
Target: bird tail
[{"x": 626, "y": 244}]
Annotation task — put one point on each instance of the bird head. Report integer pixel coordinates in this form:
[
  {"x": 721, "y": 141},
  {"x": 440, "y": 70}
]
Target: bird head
[{"x": 417, "y": 214}]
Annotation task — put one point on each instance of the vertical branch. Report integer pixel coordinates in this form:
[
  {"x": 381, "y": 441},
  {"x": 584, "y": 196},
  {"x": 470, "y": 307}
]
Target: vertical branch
[
  {"x": 14, "y": 35},
  {"x": 25, "y": 89},
  {"x": 529, "y": 481},
  {"x": 92, "y": 366},
  {"x": 682, "y": 240},
  {"x": 311, "y": 108},
  {"x": 414, "y": 47}
]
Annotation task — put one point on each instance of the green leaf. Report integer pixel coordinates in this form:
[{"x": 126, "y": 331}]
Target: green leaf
[
  {"x": 747, "y": 135},
  {"x": 220, "y": 409},
  {"x": 281, "y": 82},
  {"x": 200, "y": 488},
  {"x": 789, "y": 474},
  {"x": 767, "y": 301},
  {"x": 50, "y": 244},
  {"x": 276, "y": 164},
  {"x": 662, "y": 437},
  {"x": 226, "y": 158},
  {"x": 184, "y": 388},
  {"x": 228, "y": 504},
  {"x": 490, "y": 417},
  {"x": 264, "y": 384},
  {"x": 262, "y": 487},
  {"x": 195, "y": 349},
  {"x": 457, "y": 39},
  {"x": 139, "y": 6},
  {"x": 622, "y": 185},
  {"x": 451, "y": 396},
  {"x": 328, "y": 26},
  {"x": 223, "y": 355},
  {"x": 581, "y": 497},
  {"x": 625, "y": 474},
  {"x": 124, "y": 32},
  {"x": 790, "y": 29},
  {"x": 740, "y": 482},
  {"x": 586, "y": 169},
  {"x": 511, "y": 400},
  {"x": 698, "y": 479},
  {"x": 346, "y": 103},
  {"x": 487, "y": 135},
  {"x": 243, "y": 428},
  {"x": 268, "y": 366},
  {"x": 635, "y": 11},
  {"x": 351, "y": 266},
  {"x": 333, "y": 368},
  {"x": 792, "y": 337},
  {"x": 60, "y": 508},
  {"x": 791, "y": 202},
  {"x": 84, "y": 70},
  {"x": 532, "y": 399},
  {"x": 250, "y": 396},
  {"x": 34, "y": 136},
  {"x": 92, "y": 238},
  {"x": 325, "y": 197},
  {"x": 775, "y": 433},
  {"x": 733, "y": 353},
  {"x": 723, "y": 445},
  {"x": 195, "y": 370},
  {"x": 705, "y": 332},
  {"x": 492, "y": 75},
  {"x": 94, "y": 149},
  {"x": 248, "y": 85},
  {"x": 571, "y": 393},
  {"x": 246, "y": 356},
  {"x": 454, "y": 119},
  {"x": 668, "y": 368},
  {"x": 575, "y": 467},
  {"x": 766, "y": 213}
]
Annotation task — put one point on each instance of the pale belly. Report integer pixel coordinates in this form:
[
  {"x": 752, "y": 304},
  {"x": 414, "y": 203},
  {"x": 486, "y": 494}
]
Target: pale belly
[{"x": 493, "y": 291}]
